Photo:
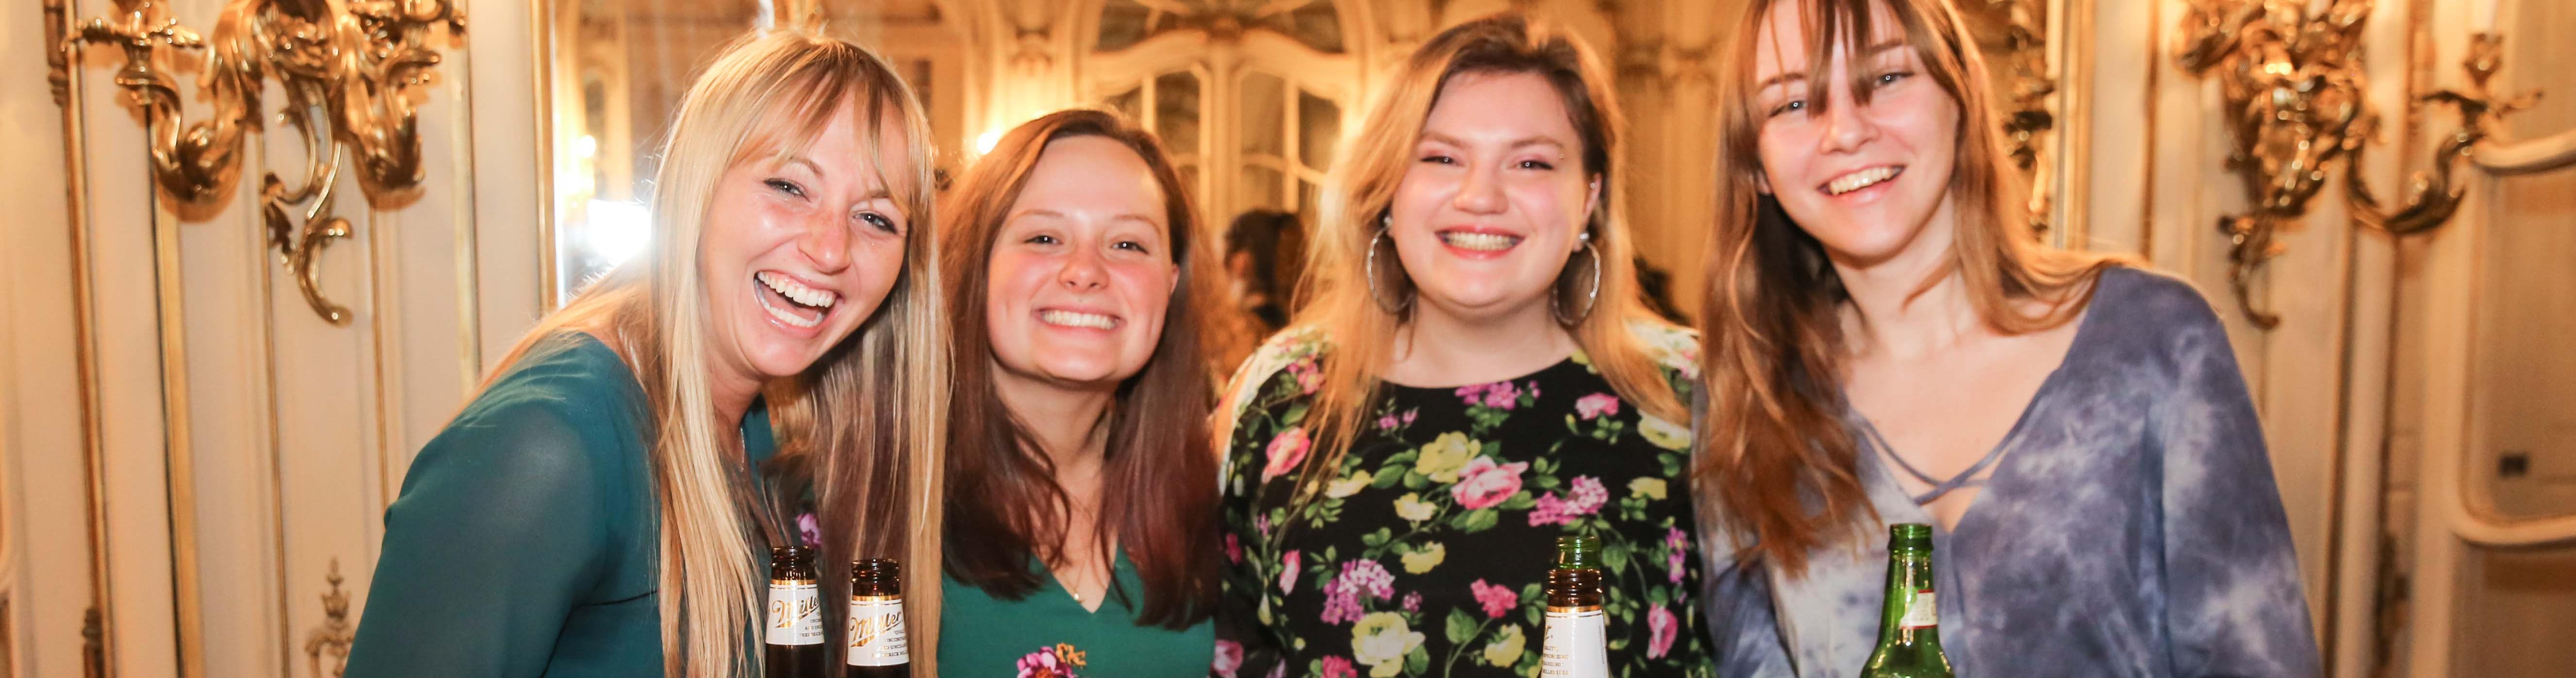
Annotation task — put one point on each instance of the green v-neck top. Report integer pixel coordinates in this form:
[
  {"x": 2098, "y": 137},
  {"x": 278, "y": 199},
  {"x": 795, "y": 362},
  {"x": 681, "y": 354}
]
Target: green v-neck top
[
  {"x": 1050, "y": 635},
  {"x": 524, "y": 540}
]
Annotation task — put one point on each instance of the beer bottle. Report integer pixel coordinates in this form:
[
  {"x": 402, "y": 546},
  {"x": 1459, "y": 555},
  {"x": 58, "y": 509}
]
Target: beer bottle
[
  {"x": 1909, "y": 630},
  {"x": 878, "y": 645},
  {"x": 794, "y": 633},
  {"x": 1576, "y": 644}
]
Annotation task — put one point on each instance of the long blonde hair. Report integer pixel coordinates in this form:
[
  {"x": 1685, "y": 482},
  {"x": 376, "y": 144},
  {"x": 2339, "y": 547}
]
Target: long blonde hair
[
  {"x": 1777, "y": 462},
  {"x": 863, "y": 421},
  {"x": 1362, "y": 186}
]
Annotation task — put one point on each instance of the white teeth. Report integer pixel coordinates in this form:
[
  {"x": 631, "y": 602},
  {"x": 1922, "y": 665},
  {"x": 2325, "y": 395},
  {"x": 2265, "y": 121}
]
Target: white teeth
[
  {"x": 1481, "y": 242},
  {"x": 789, "y": 288},
  {"x": 1860, "y": 180},
  {"x": 1073, "y": 319},
  {"x": 786, "y": 316}
]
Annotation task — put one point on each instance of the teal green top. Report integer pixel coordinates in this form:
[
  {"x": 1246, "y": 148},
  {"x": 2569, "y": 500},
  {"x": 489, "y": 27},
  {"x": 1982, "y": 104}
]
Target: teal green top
[
  {"x": 985, "y": 637},
  {"x": 523, "y": 542}
]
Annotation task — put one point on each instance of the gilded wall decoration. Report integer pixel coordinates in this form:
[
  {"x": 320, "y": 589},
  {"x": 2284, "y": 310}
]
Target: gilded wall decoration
[{"x": 354, "y": 75}]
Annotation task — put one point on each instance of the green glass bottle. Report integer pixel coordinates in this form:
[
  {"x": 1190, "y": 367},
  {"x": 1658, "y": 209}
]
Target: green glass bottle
[
  {"x": 1909, "y": 628},
  {"x": 1575, "y": 646}
]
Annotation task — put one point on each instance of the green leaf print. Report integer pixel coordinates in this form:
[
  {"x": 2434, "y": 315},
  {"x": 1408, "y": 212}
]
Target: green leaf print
[
  {"x": 1520, "y": 501},
  {"x": 1417, "y": 661},
  {"x": 1461, "y": 626},
  {"x": 1478, "y": 520},
  {"x": 1614, "y": 557},
  {"x": 1296, "y": 413}
]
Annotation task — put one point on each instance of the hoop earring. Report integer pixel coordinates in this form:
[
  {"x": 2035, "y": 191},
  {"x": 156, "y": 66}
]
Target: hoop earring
[
  {"x": 1591, "y": 297},
  {"x": 1395, "y": 307}
]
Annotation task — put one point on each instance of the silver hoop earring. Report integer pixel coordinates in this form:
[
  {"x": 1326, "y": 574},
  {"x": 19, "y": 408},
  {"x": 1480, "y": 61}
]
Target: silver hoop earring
[
  {"x": 1395, "y": 307},
  {"x": 1591, "y": 298}
]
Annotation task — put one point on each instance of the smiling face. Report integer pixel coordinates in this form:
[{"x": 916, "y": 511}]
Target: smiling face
[
  {"x": 1495, "y": 199},
  {"x": 797, "y": 251},
  {"x": 1082, "y": 269},
  {"x": 1871, "y": 181}
]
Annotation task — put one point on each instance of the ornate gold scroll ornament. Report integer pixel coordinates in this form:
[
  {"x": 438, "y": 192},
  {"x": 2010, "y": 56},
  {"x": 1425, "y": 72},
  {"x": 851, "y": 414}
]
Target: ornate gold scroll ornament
[
  {"x": 354, "y": 75},
  {"x": 2296, "y": 111}
]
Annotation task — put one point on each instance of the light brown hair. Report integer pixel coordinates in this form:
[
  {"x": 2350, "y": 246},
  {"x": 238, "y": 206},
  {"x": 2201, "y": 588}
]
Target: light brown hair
[
  {"x": 1340, "y": 303},
  {"x": 1778, "y": 471}
]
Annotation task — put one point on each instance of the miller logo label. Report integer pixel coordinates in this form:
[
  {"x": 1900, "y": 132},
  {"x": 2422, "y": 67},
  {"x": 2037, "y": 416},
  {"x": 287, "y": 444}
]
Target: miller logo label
[{"x": 877, "y": 636}]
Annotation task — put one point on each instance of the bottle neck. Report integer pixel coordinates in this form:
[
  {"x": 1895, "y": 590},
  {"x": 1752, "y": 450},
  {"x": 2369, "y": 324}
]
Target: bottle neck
[{"x": 1911, "y": 613}]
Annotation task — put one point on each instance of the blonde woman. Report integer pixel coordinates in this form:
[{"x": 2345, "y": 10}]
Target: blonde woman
[
  {"x": 1474, "y": 377},
  {"x": 591, "y": 511},
  {"x": 1887, "y": 343}
]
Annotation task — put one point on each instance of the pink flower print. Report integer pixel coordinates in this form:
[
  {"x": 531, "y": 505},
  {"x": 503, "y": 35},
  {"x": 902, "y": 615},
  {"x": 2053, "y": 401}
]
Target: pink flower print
[
  {"x": 1593, "y": 406},
  {"x": 1586, "y": 497},
  {"x": 1233, "y": 549},
  {"x": 1677, "y": 544},
  {"x": 1307, "y": 375},
  {"x": 1369, "y": 577},
  {"x": 1662, "y": 627},
  {"x": 1390, "y": 421},
  {"x": 809, "y": 530},
  {"x": 1359, "y": 578},
  {"x": 1261, "y": 524},
  {"x": 1497, "y": 600},
  {"x": 1286, "y": 452},
  {"x": 1044, "y": 664},
  {"x": 1288, "y": 572},
  {"x": 1499, "y": 395},
  {"x": 1413, "y": 601},
  {"x": 1550, "y": 511},
  {"x": 1337, "y": 667},
  {"x": 1279, "y": 670},
  {"x": 1229, "y": 656},
  {"x": 1483, "y": 483}
]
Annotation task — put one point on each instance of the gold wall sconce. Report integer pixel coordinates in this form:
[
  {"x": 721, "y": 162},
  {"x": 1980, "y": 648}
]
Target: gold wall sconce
[
  {"x": 354, "y": 75},
  {"x": 2296, "y": 112}
]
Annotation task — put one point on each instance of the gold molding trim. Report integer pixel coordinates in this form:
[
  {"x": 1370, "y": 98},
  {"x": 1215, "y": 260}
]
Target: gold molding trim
[
  {"x": 330, "y": 641},
  {"x": 2297, "y": 110},
  {"x": 98, "y": 637},
  {"x": 353, "y": 77}
]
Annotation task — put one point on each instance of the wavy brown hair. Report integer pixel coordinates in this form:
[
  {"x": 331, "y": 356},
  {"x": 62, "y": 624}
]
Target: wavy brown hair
[
  {"x": 1159, "y": 487},
  {"x": 1779, "y": 472},
  {"x": 1336, "y": 288}
]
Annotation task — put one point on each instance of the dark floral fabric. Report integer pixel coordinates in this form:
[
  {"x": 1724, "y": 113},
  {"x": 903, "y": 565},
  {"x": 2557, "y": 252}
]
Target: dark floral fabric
[{"x": 1424, "y": 553}]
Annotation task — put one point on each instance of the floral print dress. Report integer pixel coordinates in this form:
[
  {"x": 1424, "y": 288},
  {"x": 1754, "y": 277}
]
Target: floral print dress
[{"x": 1424, "y": 553}]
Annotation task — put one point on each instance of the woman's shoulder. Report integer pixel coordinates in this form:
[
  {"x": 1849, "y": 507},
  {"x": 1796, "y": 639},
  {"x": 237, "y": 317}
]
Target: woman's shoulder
[
  {"x": 2143, "y": 308},
  {"x": 1674, "y": 348},
  {"x": 1298, "y": 346},
  {"x": 568, "y": 408}
]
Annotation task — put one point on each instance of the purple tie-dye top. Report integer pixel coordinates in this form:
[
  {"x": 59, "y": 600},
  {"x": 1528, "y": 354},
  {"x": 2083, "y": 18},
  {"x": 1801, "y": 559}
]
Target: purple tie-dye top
[{"x": 2131, "y": 528}]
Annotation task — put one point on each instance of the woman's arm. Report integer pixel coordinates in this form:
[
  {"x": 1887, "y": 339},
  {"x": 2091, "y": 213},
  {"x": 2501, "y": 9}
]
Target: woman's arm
[
  {"x": 499, "y": 532},
  {"x": 2233, "y": 602}
]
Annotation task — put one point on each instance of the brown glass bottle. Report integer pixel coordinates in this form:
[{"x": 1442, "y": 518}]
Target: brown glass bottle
[
  {"x": 1575, "y": 644},
  {"x": 793, "y": 635},
  {"x": 878, "y": 646}
]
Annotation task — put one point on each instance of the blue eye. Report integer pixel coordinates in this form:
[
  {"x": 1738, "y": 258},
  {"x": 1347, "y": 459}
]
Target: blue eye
[
  {"x": 785, "y": 186},
  {"x": 1536, "y": 165},
  {"x": 1792, "y": 106},
  {"x": 1040, "y": 240},
  {"x": 880, "y": 221},
  {"x": 1439, "y": 159}
]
